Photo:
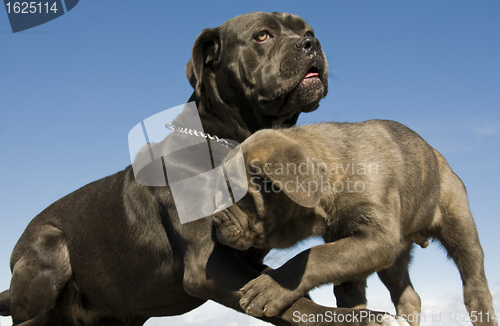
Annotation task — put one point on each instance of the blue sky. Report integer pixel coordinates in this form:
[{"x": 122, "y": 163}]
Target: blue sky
[{"x": 71, "y": 90}]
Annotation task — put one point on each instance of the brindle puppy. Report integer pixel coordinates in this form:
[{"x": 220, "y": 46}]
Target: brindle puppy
[{"x": 370, "y": 189}]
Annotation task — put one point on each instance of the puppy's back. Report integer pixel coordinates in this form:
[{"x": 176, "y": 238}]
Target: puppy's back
[
  {"x": 368, "y": 139},
  {"x": 382, "y": 155}
]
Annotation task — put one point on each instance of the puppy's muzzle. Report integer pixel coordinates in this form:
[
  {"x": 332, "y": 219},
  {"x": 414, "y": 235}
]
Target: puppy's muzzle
[{"x": 230, "y": 233}]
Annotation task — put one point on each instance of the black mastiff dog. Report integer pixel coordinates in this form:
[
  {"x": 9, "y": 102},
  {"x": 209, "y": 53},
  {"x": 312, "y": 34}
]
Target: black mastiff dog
[
  {"x": 370, "y": 190},
  {"x": 114, "y": 251}
]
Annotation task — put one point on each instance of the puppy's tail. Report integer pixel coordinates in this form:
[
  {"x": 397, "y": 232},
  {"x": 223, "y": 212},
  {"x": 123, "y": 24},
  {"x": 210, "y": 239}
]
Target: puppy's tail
[{"x": 5, "y": 303}]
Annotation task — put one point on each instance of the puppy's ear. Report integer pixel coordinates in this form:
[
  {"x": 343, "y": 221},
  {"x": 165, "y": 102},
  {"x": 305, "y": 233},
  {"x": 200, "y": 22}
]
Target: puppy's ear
[
  {"x": 206, "y": 49},
  {"x": 291, "y": 169}
]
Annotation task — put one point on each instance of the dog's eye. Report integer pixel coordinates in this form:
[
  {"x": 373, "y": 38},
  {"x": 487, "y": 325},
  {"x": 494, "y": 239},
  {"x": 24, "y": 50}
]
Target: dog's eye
[
  {"x": 309, "y": 34},
  {"x": 262, "y": 36}
]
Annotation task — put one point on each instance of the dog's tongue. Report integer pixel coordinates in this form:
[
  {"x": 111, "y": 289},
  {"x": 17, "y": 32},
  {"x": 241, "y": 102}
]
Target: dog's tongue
[{"x": 311, "y": 74}]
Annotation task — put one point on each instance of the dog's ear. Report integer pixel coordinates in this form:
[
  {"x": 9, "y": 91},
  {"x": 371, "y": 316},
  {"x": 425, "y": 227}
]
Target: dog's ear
[
  {"x": 294, "y": 172},
  {"x": 206, "y": 49}
]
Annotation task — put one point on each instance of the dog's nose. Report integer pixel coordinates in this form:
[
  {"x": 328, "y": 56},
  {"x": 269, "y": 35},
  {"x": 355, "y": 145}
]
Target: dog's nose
[{"x": 309, "y": 44}]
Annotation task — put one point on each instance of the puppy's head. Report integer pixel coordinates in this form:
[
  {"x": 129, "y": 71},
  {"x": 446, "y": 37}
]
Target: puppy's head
[
  {"x": 284, "y": 192},
  {"x": 269, "y": 64}
]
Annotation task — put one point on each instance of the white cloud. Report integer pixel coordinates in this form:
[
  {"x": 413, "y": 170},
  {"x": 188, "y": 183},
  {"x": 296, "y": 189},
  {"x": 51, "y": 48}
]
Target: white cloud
[
  {"x": 208, "y": 314},
  {"x": 487, "y": 129}
]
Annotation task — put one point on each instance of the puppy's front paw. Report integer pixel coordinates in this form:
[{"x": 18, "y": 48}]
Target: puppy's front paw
[{"x": 264, "y": 296}]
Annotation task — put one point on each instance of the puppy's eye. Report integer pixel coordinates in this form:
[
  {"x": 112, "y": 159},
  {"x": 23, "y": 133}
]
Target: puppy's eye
[
  {"x": 262, "y": 36},
  {"x": 309, "y": 34}
]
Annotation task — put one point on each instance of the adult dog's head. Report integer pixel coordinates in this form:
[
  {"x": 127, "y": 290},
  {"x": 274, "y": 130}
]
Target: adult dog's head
[{"x": 268, "y": 67}]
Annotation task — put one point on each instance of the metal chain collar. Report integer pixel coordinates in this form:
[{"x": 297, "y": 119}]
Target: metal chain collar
[{"x": 197, "y": 133}]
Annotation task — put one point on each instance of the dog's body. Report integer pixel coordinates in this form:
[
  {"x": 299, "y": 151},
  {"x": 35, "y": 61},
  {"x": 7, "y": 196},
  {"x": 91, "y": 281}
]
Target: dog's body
[
  {"x": 114, "y": 251},
  {"x": 370, "y": 189}
]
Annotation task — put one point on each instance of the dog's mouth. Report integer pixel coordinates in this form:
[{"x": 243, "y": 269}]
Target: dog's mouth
[
  {"x": 311, "y": 84},
  {"x": 230, "y": 234},
  {"x": 285, "y": 106},
  {"x": 312, "y": 76}
]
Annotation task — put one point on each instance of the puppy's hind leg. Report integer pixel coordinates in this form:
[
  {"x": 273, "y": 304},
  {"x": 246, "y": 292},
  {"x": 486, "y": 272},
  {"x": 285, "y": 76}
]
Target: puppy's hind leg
[
  {"x": 351, "y": 294},
  {"x": 41, "y": 269},
  {"x": 397, "y": 280},
  {"x": 455, "y": 229}
]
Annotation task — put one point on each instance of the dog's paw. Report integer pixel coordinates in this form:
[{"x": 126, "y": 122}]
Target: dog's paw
[{"x": 264, "y": 296}]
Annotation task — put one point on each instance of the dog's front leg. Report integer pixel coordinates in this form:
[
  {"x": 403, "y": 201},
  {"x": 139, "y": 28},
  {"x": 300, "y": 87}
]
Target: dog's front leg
[
  {"x": 217, "y": 274},
  {"x": 352, "y": 258}
]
